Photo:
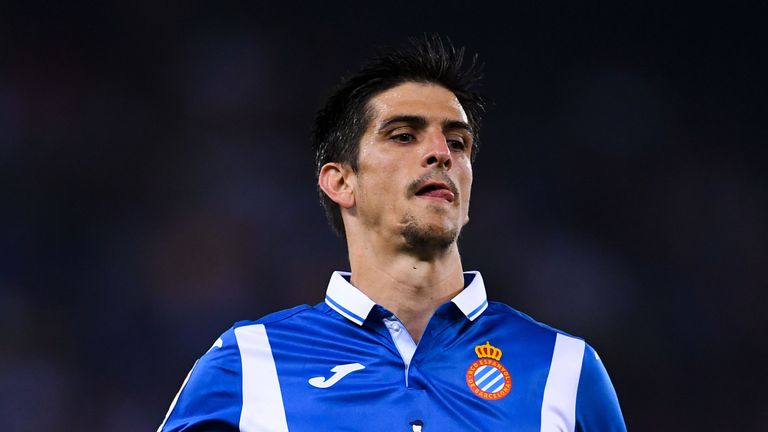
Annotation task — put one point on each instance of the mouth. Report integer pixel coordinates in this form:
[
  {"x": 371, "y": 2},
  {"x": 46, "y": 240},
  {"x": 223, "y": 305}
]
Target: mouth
[{"x": 435, "y": 190}]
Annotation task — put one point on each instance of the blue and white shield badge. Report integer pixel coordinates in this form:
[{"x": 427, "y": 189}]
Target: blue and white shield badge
[{"x": 486, "y": 377}]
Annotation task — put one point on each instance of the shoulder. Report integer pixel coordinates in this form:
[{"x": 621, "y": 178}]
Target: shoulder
[
  {"x": 576, "y": 374},
  {"x": 211, "y": 395},
  {"x": 513, "y": 317},
  {"x": 275, "y": 317},
  {"x": 225, "y": 355},
  {"x": 565, "y": 346},
  {"x": 226, "y": 349},
  {"x": 597, "y": 405}
]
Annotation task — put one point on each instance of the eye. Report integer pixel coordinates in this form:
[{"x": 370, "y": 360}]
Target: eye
[
  {"x": 403, "y": 138},
  {"x": 457, "y": 144}
]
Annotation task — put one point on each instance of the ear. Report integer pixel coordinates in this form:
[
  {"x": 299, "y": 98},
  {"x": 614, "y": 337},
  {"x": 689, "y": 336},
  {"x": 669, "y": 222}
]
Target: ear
[{"x": 337, "y": 181}]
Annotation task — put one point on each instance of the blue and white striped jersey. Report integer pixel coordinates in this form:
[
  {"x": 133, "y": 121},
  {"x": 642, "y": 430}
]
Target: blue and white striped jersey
[{"x": 348, "y": 365}]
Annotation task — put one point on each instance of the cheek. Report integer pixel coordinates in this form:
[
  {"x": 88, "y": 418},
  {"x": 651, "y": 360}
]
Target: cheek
[
  {"x": 466, "y": 179},
  {"x": 379, "y": 188}
]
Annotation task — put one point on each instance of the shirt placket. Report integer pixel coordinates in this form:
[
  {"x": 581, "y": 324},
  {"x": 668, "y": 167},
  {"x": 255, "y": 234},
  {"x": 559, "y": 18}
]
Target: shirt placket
[{"x": 403, "y": 341}]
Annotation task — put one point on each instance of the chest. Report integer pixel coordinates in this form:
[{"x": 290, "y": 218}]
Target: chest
[{"x": 363, "y": 383}]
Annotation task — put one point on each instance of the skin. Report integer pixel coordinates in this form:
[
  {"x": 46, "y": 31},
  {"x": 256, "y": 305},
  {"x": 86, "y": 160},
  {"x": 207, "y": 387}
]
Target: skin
[{"x": 402, "y": 243}]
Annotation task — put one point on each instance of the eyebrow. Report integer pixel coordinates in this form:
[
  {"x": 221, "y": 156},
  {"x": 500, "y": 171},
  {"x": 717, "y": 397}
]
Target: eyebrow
[
  {"x": 420, "y": 122},
  {"x": 456, "y": 124},
  {"x": 417, "y": 122}
]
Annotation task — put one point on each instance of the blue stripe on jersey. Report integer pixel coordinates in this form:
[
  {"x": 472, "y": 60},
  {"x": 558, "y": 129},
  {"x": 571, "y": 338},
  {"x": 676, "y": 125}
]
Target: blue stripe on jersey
[
  {"x": 346, "y": 311},
  {"x": 477, "y": 310}
]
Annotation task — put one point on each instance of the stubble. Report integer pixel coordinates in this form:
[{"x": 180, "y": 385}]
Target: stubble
[{"x": 426, "y": 240}]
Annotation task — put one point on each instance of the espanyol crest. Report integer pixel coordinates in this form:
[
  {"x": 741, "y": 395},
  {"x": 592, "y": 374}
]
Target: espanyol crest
[{"x": 486, "y": 377}]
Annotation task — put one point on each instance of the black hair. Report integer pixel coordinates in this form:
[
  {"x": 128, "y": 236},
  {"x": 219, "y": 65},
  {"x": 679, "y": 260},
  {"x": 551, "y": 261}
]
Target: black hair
[{"x": 341, "y": 122}]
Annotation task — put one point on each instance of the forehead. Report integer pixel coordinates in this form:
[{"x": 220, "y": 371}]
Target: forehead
[{"x": 424, "y": 99}]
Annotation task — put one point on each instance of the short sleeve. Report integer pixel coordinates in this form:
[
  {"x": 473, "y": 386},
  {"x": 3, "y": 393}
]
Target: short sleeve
[
  {"x": 597, "y": 406},
  {"x": 210, "y": 399}
]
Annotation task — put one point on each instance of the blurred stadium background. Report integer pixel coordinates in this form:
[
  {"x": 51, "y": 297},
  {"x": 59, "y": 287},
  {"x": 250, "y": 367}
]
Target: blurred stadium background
[{"x": 157, "y": 185}]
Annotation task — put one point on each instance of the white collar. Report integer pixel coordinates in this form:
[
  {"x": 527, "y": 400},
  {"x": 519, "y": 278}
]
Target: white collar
[{"x": 351, "y": 303}]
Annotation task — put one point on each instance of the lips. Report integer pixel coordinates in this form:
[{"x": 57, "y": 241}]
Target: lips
[{"x": 436, "y": 190}]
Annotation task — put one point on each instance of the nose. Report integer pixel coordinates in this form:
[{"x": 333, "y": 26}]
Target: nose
[{"x": 438, "y": 154}]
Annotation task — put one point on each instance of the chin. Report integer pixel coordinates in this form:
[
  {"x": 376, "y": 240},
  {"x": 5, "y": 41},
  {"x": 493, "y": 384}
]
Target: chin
[{"x": 428, "y": 238}]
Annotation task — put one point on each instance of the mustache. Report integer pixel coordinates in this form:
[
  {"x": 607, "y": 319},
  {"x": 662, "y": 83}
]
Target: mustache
[{"x": 439, "y": 176}]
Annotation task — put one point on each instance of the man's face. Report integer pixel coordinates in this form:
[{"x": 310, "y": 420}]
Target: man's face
[{"x": 415, "y": 175}]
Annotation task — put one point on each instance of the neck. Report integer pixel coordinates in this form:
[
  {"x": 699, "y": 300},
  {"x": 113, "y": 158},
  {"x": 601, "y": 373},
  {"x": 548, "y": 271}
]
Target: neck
[{"x": 411, "y": 286}]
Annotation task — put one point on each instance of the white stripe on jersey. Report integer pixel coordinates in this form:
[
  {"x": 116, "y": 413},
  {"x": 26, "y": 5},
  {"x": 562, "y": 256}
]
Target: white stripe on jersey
[
  {"x": 558, "y": 409},
  {"x": 176, "y": 398},
  {"x": 263, "y": 408}
]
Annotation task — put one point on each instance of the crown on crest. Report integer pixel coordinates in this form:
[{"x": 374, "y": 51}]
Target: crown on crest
[{"x": 488, "y": 351}]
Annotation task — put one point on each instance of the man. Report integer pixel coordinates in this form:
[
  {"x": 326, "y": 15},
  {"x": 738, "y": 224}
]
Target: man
[{"x": 407, "y": 341}]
